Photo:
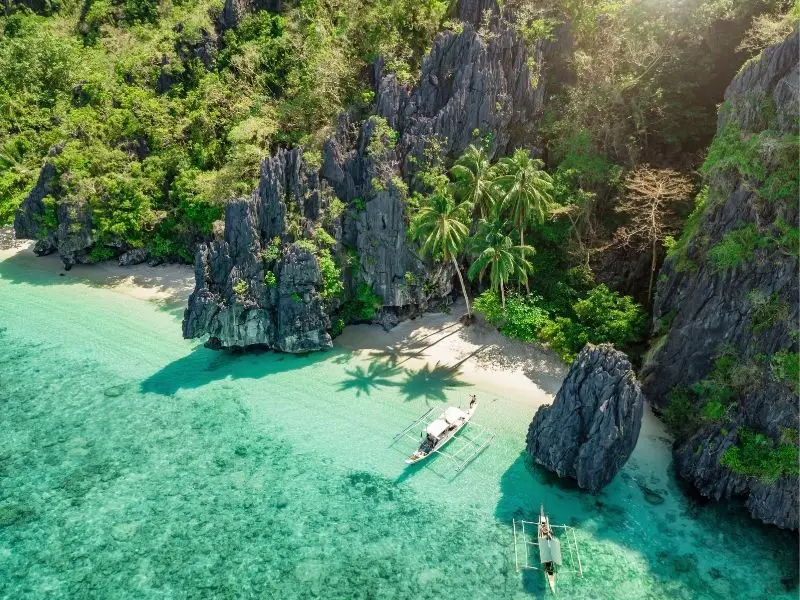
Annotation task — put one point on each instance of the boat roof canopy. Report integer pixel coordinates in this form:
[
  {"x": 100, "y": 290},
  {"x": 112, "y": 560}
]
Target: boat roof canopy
[
  {"x": 550, "y": 551},
  {"x": 436, "y": 428},
  {"x": 454, "y": 414}
]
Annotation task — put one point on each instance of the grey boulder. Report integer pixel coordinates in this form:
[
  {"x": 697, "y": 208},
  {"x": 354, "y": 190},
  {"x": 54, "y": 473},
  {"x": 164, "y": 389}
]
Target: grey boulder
[{"x": 590, "y": 430}]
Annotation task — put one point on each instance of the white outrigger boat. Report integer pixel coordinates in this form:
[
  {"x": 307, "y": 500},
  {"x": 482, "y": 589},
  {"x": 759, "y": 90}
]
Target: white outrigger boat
[
  {"x": 441, "y": 430},
  {"x": 549, "y": 550},
  {"x": 550, "y": 560}
]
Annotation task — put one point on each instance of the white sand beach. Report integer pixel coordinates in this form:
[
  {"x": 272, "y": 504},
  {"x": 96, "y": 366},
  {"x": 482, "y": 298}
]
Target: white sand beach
[
  {"x": 168, "y": 285},
  {"x": 477, "y": 354}
]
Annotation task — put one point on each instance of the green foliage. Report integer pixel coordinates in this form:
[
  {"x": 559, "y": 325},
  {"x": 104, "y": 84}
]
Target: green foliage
[
  {"x": 332, "y": 285},
  {"x": 681, "y": 415},
  {"x": 768, "y": 157},
  {"x": 240, "y": 288},
  {"x": 334, "y": 210},
  {"x": 323, "y": 239},
  {"x": 691, "y": 226},
  {"x": 95, "y": 75},
  {"x": 577, "y": 152},
  {"x": 383, "y": 137},
  {"x": 601, "y": 316},
  {"x": 787, "y": 238},
  {"x": 756, "y": 455},
  {"x": 270, "y": 280},
  {"x": 737, "y": 246},
  {"x": 766, "y": 311},
  {"x": 337, "y": 326},
  {"x": 295, "y": 297},
  {"x": 307, "y": 245},
  {"x": 786, "y": 367},
  {"x": 610, "y": 317},
  {"x": 99, "y": 253},
  {"x": 363, "y": 306},
  {"x": 273, "y": 251}
]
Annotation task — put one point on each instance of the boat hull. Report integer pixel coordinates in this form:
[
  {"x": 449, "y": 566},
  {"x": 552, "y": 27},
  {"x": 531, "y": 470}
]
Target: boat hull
[{"x": 421, "y": 455}]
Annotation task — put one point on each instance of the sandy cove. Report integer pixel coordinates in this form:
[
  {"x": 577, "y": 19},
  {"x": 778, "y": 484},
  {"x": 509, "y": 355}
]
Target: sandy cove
[
  {"x": 168, "y": 285},
  {"x": 476, "y": 354}
]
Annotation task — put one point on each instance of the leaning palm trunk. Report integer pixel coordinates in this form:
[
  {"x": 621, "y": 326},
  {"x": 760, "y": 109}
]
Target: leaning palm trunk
[
  {"x": 522, "y": 243},
  {"x": 463, "y": 287},
  {"x": 502, "y": 295}
]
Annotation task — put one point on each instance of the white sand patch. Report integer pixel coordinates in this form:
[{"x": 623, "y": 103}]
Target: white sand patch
[
  {"x": 478, "y": 354},
  {"x": 168, "y": 285}
]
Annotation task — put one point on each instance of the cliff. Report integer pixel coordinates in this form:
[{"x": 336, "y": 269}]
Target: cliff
[
  {"x": 723, "y": 368},
  {"x": 352, "y": 210},
  {"x": 590, "y": 430}
]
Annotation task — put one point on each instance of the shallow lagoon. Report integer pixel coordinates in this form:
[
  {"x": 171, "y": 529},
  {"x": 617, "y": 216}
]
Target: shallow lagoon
[{"x": 134, "y": 464}]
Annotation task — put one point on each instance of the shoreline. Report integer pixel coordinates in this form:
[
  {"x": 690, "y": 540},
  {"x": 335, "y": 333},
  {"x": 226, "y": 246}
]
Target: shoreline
[
  {"x": 478, "y": 354},
  {"x": 168, "y": 285}
]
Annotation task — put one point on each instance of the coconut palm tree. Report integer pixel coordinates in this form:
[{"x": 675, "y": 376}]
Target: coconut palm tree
[
  {"x": 440, "y": 225},
  {"x": 497, "y": 254},
  {"x": 526, "y": 189},
  {"x": 473, "y": 178}
]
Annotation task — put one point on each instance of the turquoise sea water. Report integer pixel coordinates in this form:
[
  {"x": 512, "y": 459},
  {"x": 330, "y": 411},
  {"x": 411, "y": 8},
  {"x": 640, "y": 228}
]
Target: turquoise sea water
[{"x": 135, "y": 464}]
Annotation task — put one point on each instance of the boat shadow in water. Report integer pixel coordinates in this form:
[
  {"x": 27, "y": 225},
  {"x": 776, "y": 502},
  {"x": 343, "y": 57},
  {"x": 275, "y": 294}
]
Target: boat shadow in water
[{"x": 203, "y": 366}]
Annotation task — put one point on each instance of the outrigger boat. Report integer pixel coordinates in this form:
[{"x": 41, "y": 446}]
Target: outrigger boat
[
  {"x": 549, "y": 550},
  {"x": 442, "y": 429},
  {"x": 550, "y": 560}
]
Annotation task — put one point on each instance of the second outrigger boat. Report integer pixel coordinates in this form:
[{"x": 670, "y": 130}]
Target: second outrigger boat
[
  {"x": 442, "y": 430},
  {"x": 549, "y": 550}
]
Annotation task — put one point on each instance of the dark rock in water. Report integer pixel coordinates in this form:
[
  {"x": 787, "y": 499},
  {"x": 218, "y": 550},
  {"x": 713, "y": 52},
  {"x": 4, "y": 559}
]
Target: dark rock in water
[
  {"x": 702, "y": 308},
  {"x": 134, "y": 257},
  {"x": 651, "y": 496},
  {"x": 11, "y": 514},
  {"x": 591, "y": 428},
  {"x": 114, "y": 391}
]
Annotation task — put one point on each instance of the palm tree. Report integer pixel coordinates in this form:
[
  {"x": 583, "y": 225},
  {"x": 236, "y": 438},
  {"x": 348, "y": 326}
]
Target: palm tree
[
  {"x": 497, "y": 253},
  {"x": 526, "y": 188},
  {"x": 440, "y": 226},
  {"x": 473, "y": 178}
]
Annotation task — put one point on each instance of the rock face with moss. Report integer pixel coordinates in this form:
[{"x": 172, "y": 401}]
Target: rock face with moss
[
  {"x": 343, "y": 223},
  {"x": 724, "y": 366},
  {"x": 590, "y": 430}
]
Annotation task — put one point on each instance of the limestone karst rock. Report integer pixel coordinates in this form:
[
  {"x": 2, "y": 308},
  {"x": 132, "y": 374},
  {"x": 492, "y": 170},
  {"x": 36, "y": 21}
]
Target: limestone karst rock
[
  {"x": 590, "y": 430},
  {"x": 703, "y": 308},
  {"x": 468, "y": 84}
]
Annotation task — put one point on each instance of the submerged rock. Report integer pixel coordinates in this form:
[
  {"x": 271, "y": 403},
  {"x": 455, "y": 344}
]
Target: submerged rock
[{"x": 590, "y": 430}]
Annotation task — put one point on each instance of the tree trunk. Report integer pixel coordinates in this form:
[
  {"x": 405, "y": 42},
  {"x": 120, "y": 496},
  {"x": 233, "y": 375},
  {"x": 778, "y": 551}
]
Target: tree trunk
[
  {"x": 522, "y": 243},
  {"x": 502, "y": 296},
  {"x": 652, "y": 274},
  {"x": 463, "y": 287}
]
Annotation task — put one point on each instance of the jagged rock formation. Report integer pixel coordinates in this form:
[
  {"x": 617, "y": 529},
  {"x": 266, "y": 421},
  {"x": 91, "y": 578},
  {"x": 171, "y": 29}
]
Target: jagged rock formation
[
  {"x": 743, "y": 304},
  {"x": 467, "y": 85},
  {"x": 590, "y": 430},
  {"x": 235, "y": 10}
]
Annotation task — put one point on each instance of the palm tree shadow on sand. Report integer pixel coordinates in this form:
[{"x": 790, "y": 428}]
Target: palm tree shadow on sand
[{"x": 430, "y": 383}]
